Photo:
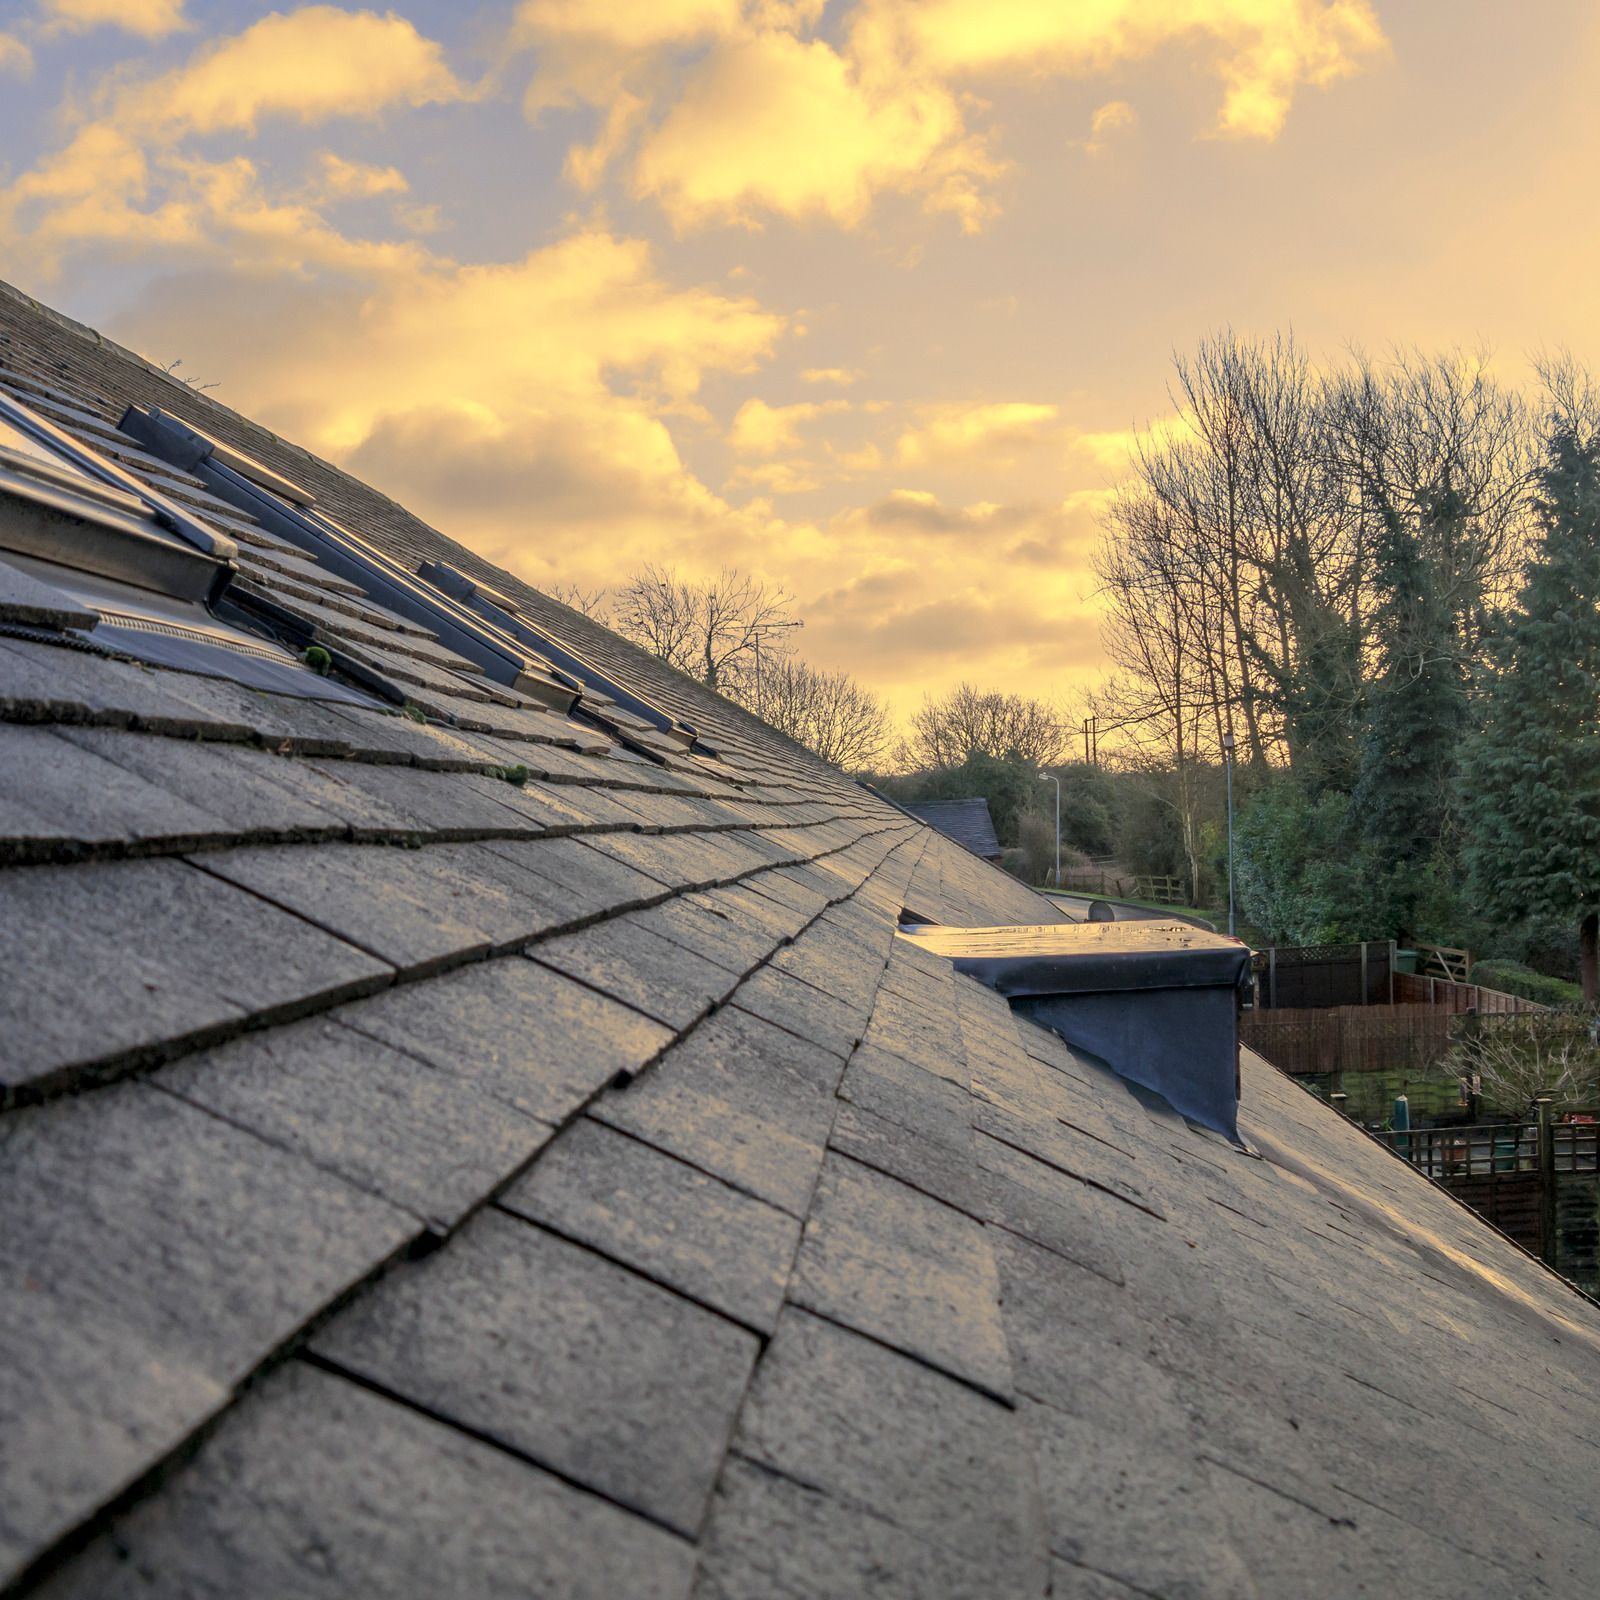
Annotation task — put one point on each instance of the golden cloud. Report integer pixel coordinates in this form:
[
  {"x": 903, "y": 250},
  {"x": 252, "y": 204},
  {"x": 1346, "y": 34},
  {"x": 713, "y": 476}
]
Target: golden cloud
[
  {"x": 762, "y": 430},
  {"x": 777, "y": 123},
  {"x": 305, "y": 66},
  {"x": 150, "y": 19},
  {"x": 15, "y": 56},
  {"x": 738, "y": 116},
  {"x": 997, "y": 432},
  {"x": 339, "y": 179}
]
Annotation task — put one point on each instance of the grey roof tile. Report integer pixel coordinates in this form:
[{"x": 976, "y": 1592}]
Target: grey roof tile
[
  {"x": 893, "y": 1263},
  {"x": 664, "y": 1218},
  {"x": 896, "y": 1439},
  {"x": 565, "y": 1357},
  {"x": 121, "y": 961},
  {"x": 1135, "y": 1502},
  {"x": 889, "y": 1086},
  {"x": 58, "y": 801},
  {"x": 806, "y": 1012},
  {"x": 48, "y": 683},
  {"x": 26, "y": 602},
  {"x": 740, "y": 1099},
  {"x": 522, "y": 1033},
  {"x": 185, "y": 1250},
  {"x": 938, "y": 1163},
  {"x": 771, "y": 1538},
  {"x": 433, "y": 1142},
  {"x": 588, "y": 881},
  {"x": 85, "y": 1406},
  {"x": 710, "y": 928},
  {"x": 626, "y": 960},
  {"x": 278, "y": 1503},
  {"x": 410, "y": 908}
]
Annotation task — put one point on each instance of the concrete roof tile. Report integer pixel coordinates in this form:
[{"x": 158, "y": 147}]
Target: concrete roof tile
[
  {"x": 664, "y": 1218},
  {"x": 740, "y": 1099},
  {"x": 874, "y": 1428},
  {"x": 164, "y": 954},
  {"x": 569, "y": 1359},
  {"x": 275, "y": 1505},
  {"x": 895, "y": 1264},
  {"x": 432, "y": 1142},
  {"x": 523, "y": 1033}
]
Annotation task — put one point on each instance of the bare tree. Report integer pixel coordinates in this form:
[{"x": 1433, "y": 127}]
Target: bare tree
[
  {"x": 828, "y": 712},
  {"x": 594, "y": 603},
  {"x": 715, "y": 632},
  {"x": 970, "y": 721}
]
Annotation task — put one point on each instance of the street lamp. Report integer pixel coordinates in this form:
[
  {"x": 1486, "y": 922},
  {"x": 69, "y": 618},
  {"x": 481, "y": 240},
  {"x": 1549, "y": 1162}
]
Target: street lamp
[
  {"x": 1227, "y": 761},
  {"x": 1050, "y": 777}
]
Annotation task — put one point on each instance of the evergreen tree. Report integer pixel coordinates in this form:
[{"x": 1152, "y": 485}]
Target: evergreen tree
[
  {"x": 1403, "y": 802},
  {"x": 1533, "y": 769}
]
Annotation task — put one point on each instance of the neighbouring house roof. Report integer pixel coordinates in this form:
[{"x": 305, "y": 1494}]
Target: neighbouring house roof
[
  {"x": 966, "y": 821},
  {"x": 418, "y": 1183}
]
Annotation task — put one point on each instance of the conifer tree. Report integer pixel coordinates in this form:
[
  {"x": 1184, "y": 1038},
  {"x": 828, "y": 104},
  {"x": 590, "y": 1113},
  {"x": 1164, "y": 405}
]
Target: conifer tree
[
  {"x": 1533, "y": 769},
  {"x": 1416, "y": 709}
]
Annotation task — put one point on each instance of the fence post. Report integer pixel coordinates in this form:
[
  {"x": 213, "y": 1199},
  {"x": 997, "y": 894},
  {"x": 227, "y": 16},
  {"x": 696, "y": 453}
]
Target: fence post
[
  {"x": 1364, "y": 996},
  {"x": 1272, "y": 977},
  {"x": 1392, "y": 948},
  {"x": 1547, "y": 1183}
]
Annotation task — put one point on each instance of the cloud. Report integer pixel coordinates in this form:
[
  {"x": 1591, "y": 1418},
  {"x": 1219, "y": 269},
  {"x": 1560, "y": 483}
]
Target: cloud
[
  {"x": 840, "y": 377},
  {"x": 762, "y": 430},
  {"x": 1262, "y": 50},
  {"x": 735, "y": 116},
  {"x": 776, "y": 123},
  {"x": 308, "y": 66},
  {"x": 997, "y": 432},
  {"x": 1107, "y": 120},
  {"x": 129, "y": 176},
  {"x": 150, "y": 19},
  {"x": 15, "y": 56},
  {"x": 339, "y": 179}
]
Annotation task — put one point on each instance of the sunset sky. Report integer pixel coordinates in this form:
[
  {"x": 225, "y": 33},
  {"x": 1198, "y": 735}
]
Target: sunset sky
[{"x": 865, "y": 297}]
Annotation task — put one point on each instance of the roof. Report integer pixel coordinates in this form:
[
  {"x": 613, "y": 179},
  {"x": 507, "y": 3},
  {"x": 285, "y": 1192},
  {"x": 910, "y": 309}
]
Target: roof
[
  {"x": 966, "y": 821},
  {"x": 415, "y": 1182}
]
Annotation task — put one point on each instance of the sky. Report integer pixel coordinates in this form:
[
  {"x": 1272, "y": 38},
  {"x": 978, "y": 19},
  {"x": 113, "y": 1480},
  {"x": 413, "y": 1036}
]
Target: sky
[{"x": 865, "y": 297}]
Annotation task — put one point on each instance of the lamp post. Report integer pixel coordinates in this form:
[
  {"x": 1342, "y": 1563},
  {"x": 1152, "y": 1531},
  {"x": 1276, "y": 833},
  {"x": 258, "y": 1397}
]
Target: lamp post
[
  {"x": 1050, "y": 777},
  {"x": 1227, "y": 761}
]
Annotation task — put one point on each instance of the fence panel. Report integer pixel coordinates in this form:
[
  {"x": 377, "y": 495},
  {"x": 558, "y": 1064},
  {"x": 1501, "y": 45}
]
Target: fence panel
[{"x": 1348, "y": 1038}]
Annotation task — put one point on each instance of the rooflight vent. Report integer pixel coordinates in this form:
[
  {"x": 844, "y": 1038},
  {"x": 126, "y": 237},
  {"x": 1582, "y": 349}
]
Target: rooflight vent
[
  {"x": 96, "y": 557},
  {"x": 1158, "y": 1003},
  {"x": 250, "y": 487},
  {"x": 504, "y": 614}
]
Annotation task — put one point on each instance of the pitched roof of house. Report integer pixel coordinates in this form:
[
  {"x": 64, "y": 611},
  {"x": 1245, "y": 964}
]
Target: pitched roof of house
[
  {"x": 413, "y": 1182},
  {"x": 966, "y": 821}
]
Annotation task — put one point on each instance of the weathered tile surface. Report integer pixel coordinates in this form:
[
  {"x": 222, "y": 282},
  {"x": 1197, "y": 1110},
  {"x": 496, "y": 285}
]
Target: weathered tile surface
[
  {"x": 106, "y": 960},
  {"x": 741, "y": 1099},
  {"x": 664, "y": 1218},
  {"x": 515, "y": 1030},
  {"x": 300, "y": 1497},
  {"x": 562, "y": 1355},
  {"x": 889, "y": 1261}
]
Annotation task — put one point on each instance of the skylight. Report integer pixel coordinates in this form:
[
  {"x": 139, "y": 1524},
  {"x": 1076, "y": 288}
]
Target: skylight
[
  {"x": 121, "y": 566},
  {"x": 475, "y": 622}
]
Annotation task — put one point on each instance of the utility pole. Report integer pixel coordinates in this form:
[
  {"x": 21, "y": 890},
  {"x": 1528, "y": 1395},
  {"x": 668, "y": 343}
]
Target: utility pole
[
  {"x": 1050, "y": 777},
  {"x": 1227, "y": 761},
  {"x": 757, "y": 633}
]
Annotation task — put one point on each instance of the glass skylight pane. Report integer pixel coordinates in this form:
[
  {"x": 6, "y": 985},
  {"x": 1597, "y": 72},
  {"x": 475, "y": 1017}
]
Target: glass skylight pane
[{"x": 15, "y": 440}]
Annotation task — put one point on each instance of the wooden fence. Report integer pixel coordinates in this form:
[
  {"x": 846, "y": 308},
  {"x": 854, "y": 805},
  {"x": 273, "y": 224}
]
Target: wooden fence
[
  {"x": 1401, "y": 1038},
  {"x": 1414, "y": 989},
  {"x": 1298, "y": 977}
]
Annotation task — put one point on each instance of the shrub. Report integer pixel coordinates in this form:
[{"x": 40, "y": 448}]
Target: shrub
[{"x": 1511, "y": 977}]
